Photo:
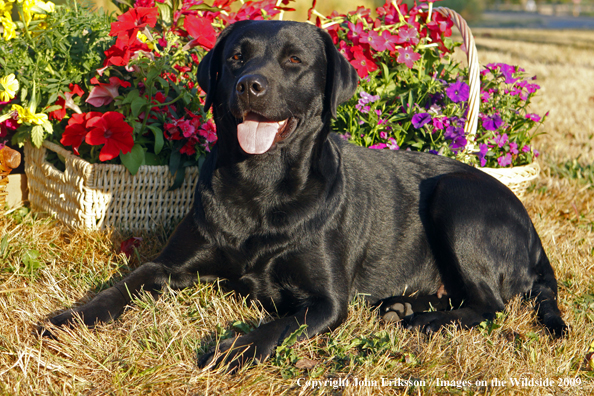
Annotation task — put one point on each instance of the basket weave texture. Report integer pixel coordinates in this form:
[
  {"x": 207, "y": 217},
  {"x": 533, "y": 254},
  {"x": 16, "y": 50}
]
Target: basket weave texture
[
  {"x": 516, "y": 178},
  {"x": 98, "y": 196}
]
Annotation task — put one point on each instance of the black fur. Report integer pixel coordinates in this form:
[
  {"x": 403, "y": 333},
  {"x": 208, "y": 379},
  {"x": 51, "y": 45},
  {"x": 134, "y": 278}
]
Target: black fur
[{"x": 313, "y": 221}]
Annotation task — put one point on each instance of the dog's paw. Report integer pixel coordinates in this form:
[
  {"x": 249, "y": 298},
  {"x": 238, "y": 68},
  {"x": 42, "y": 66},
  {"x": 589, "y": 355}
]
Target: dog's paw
[
  {"x": 429, "y": 322},
  {"x": 233, "y": 353},
  {"x": 396, "y": 312}
]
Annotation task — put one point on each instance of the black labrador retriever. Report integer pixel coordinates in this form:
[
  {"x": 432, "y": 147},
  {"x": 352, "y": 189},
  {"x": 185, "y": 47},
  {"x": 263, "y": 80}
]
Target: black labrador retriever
[{"x": 302, "y": 221}]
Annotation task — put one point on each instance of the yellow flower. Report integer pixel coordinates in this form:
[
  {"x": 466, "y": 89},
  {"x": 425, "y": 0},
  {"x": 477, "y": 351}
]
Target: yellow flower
[
  {"x": 145, "y": 40},
  {"x": 48, "y": 7},
  {"x": 9, "y": 86},
  {"x": 9, "y": 28},
  {"x": 26, "y": 115}
]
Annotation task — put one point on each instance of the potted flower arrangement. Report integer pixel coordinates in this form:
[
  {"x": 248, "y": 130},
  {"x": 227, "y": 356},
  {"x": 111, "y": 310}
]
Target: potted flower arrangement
[
  {"x": 113, "y": 108},
  {"x": 412, "y": 96}
]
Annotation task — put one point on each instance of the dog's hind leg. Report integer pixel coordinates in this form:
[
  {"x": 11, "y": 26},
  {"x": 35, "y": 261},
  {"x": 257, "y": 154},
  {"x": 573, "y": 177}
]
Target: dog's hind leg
[{"x": 185, "y": 256}]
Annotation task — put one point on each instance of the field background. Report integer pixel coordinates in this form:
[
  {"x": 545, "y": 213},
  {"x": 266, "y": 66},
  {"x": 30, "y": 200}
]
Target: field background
[{"x": 152, "y": 348}]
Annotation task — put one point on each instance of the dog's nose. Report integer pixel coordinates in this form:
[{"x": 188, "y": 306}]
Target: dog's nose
[{"x": 254, "y": 85}]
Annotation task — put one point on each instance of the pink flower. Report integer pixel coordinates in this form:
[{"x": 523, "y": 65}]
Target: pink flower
[
  {"x": 384, "y": 42},
  {"x": 407, "y": 36},
  {"x": 354, "y": 32},
  {"x": 208, "y": 130},
  {"x": 533, "y": 117},
  {"x": 501, "y": 140},
  {"x": 186, "y": 128},
  {"x": 505, "y": 160},
  {"x": 513, "y": 148},
  {"x": 379, "y": 146},
  {"x": 408, "y": 57},
  {"x": 104, "y": 94}
]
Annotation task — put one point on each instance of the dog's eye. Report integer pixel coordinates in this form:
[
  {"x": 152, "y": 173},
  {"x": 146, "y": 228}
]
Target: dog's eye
[
  {"x": 237, "y": 57},
  {"x": 294, "y": 59}
]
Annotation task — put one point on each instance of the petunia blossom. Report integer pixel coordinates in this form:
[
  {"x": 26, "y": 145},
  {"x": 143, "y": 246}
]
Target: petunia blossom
[
  {"x": 458, "y": 91},
  {"x": 533, "y": 117},
  {"x": 113, "y": 133},
  {"x": 492, "y": 122},
  {"x": 76, "y": 130},
  {"x": 133, "y": 21},
  {"x": 104, "y": 93},
  {"x": 201, "y": 30},
  {"x": 419, "y": 120}
]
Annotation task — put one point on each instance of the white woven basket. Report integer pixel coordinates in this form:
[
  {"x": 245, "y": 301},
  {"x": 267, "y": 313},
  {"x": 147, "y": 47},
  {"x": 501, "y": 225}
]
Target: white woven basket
[
  {"x": 97, "y": 196},
  {"x": 517, "y": 178}
]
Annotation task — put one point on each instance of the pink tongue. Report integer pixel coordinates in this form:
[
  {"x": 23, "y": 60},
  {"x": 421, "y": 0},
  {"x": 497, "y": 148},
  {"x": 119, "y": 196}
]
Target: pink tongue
[{"x": 256, "y": 134}]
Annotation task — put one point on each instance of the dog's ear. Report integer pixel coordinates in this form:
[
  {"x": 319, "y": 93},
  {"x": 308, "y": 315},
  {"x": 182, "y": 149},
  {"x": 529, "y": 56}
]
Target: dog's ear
[
  {"x": 341, "y": 76},
  {"x": 211, "y": 67}
]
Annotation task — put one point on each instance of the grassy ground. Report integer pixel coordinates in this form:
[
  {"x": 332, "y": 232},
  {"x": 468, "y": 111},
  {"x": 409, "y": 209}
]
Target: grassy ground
[{"x": 153, "y": 348}]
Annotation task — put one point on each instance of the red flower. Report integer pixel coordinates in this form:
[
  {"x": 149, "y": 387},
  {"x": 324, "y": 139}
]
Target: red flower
[
  {"x": 113, "y": 132},
  {"x": 76, "y": 131},
  {"x": 65, "y": 102},
  {"x": 408, "y": 57},
  {"x": 362, "y": 62},
  {"x": 190, "y": 147},
  {"x": 105, "y": 93},
  {"x": 134, "y": 20},
  {"x": 120, "y": 53},
  {"x": 201, "y": 30},
  {"x": 130, "y": 245}
]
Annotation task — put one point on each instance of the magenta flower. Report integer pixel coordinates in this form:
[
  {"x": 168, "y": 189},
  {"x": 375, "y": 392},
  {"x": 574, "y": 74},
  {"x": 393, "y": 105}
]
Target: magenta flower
[
  {"x": 505, "y": 160},
  {"x": 533, "y": 117},
  {"x": 492, "y": 123},
  {"x": 378, "y": 146},
  {"x": 513, "y": 148},
  {"x": 526, "y": 149},
  {"x": 501, "y": 140},
  {"x": 458, "y": 91},
  {"x": 383, "y": 135},
  {"x": 419, "y": 120},
  {"x": 439, "y": 122},
  {"x": 392, "y": 144},
  {"x": 408, "y": 36}
]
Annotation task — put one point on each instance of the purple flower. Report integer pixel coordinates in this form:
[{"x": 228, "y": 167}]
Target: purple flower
[
  {"x": 420, "y": 119},
  {"x": 378, "y": 146},
  {"x": 434, "y": 152},
  {"x": 484, "y": 149},
  {"x": 526, "y": 149},
  {"x": 500, "y": 140},
  {"x": 458, "y": 91},
  {"x": 505, "y": 160},
  {"x": 378, "y": 112},
  {"x": 362, "y": 108},
  {"x": 367, "y": 98},
  {"x": 453, "y": 131},
  {"x": 536, "y": 153},
  {"x": 458, "y": 143},
  {"x": 492, "y": 123},
  {"x": 533, "y": 117},
  {"x": 513, "y": 148}
]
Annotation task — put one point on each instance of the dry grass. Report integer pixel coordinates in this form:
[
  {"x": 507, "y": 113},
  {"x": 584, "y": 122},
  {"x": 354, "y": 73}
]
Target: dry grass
[{"x": 152, "y": 349}]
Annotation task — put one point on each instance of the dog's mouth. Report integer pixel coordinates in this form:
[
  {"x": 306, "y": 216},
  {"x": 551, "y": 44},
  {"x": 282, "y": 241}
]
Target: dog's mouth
[{"x": 257, "y": 134}]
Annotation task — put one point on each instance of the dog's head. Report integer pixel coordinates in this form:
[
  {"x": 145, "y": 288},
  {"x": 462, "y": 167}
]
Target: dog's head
[{"x": 274, "y": 80}]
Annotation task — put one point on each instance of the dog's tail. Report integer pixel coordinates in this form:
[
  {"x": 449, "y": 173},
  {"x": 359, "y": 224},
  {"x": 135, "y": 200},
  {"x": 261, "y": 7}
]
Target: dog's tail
[{"x": 544, "y": 291}]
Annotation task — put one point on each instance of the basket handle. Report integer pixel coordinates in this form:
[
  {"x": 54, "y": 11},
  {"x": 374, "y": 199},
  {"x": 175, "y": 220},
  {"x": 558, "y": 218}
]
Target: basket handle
[{"x": 473, "y": 77}]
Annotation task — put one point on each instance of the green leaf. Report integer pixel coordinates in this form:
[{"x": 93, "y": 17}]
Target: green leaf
[
  {"x": 48, "y": 127},
  {"x": 134, "y": 159},
  {"x": 4, "y": 247},
  {"x": 132, "y": 95},
  {"x": 30, "y": 259},
  {"x": 174, "y": 161},
  {"x": 165, "y": 12},
  {"x": 158, "y": 137},
  {"x": 137, "y": 105},
  {"x": 37, "y": 135}
]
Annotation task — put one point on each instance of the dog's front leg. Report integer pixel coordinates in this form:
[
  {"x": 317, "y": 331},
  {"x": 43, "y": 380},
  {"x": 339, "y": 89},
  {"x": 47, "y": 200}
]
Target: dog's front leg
[
  {"x": 186, "y": 255},
  {"x": 323, "y": 315}
]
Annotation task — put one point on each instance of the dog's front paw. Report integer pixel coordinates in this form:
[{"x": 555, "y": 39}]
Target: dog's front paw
[{"x": 233, "y": 353}]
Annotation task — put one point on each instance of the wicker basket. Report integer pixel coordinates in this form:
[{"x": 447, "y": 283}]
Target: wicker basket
[
  {"x": 97, "y": 196},
  {"x": 517, "y": 178}
]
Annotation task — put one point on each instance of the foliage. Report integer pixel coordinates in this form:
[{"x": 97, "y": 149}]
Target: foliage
[
  {"x": 412, "y": 95},
  {"x": 126, "y": 92}
]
